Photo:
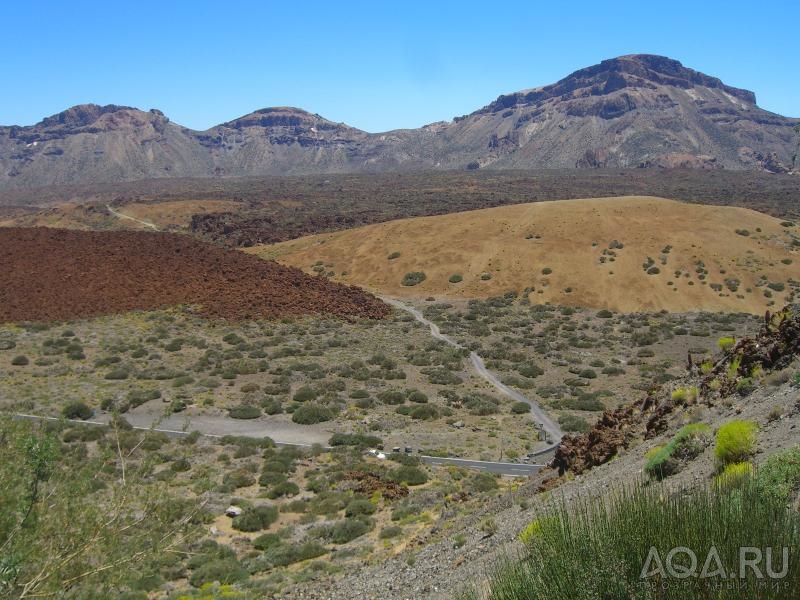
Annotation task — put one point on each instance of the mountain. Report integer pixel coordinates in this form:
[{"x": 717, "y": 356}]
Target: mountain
[{"x": 632, "y": 111}]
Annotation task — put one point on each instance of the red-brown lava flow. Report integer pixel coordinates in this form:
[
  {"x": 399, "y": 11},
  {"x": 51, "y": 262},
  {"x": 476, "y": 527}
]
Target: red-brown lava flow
[{"x": 56, "y": 274}]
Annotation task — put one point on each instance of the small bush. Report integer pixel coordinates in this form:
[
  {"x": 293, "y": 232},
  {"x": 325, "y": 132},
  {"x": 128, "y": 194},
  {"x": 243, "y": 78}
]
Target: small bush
[
  {"x": 244, "y": 411},
  {"x": 572, "y": 423},
  {"x": 355, "y": 439},
  {"x": 735, "y": 442},
  {"x": 409, "y": 475},
  {"x": 778, "y": 477},
  {"x": 394, "y": 255},
  {"x": 266, "y": 540},
  {"x": 311, "y": 413},
  {"x": 225, "y": 571},
  {"x": 686, "y": 445},
  {"x": 20, "y": 361},
  {"x": 413, "y": 278},
  {"x": 287, "y": 554},
  {"x": 255, "y": 519},
  {"x": 77, "y": 410},
  {"x": 482, "y": 482},
  {"x": 456, "y": 278},
  {"x": 390, "y": 531},
  {"x": 726, "y": 343},
  {"x": 285, "y": 488},
  {"x": 520, "y": 408},
  {"x": 424, "y": 412},
  {"x": 359, "y": 506},
  {"x": 343, "y": 531},
  {"x": 304, "y": 394},
  {"x": 734, "y": 475}
]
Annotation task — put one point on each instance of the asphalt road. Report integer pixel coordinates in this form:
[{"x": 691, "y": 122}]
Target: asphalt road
[
  {"x": 551, "y": 428},
  {"x": 217, "y": 427}
]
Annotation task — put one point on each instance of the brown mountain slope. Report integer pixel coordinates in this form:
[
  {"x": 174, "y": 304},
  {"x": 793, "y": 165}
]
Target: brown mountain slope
[
  {"x": 638, "y": 110},
  {"x": 56, "y": 274},
  {"x": 568, "y": 252}
]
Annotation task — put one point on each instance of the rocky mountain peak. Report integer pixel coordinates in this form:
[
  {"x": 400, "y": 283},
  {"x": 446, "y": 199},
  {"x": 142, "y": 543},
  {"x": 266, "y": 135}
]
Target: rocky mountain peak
[
  {"x": 281, "y": 116},
  {"x": 647, "y": 71}
]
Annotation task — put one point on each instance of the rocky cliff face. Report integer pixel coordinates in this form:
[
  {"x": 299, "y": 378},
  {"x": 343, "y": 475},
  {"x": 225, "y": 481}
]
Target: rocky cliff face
[{"x": 631, "y": 111}]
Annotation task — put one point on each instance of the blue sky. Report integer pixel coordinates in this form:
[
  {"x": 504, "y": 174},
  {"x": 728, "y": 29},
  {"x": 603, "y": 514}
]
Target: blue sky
[{"x": 374, "y": 65}]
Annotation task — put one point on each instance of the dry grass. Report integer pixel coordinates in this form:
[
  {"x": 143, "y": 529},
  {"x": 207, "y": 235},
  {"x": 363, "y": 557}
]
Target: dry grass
[{"x": 515, "y": 243}]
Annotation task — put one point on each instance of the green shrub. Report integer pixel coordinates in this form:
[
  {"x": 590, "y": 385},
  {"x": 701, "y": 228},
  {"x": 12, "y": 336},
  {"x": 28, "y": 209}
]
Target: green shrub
[
  {"x": 572, "y": 423},
  {"x": 355, "y": 439},
  {"x": 266, "y": 540},
  {"x": 520, "y": 408},
  {"x": 311, "y": 413},
  {"x": 424, "y": 412},
  {"x": 726, "y": 343},
  {"x": 547, "y": 271},
  {"x": 255, "y": 519},
  {"x": 390, "y": 531},
  {"x": 285, "y": 488},
  {"x": 778, "y": 477},
  {"x": 244, "y": 411},
  {"x": 619, "y": 532},
  {"x": 735, "y": 442},
  {"x": 455, "y": 278},
  {"x": 359, "y": 506},
  {"x": 77, "y": 410},
  {"x": 734, "y": 475},
  {"x": 392, "y": 397},
  {"x": 20, "y": 361},
  {"x": 272, "y": 406},
  {"x": 686, "y": 445},
  {"x": 304, "y": 394},
  {"x": 138, "y": 397},
  {"x": 225, "y": 571},
  {"x": 482, "y": 482},
  {"x": 117, "y": 374},
  {"x": 238, "y": 479},
  {"x": 417, "y": 397},
  {"x": 394, "y": 255},
  {"x": 343, "y": 531},
  {"x": 409, "y": 475},
  {"x": 288, "y": 554},
  {"x": 413, "y": 278}
]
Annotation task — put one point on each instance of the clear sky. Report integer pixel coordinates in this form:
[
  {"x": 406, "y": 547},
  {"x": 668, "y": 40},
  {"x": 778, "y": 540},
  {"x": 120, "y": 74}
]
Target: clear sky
[{"x": 373, "y": 65}]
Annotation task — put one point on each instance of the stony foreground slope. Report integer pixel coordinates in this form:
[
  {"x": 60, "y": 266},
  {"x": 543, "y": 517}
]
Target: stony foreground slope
[
  {"x": 53, "y": 274},
  {"x": 593, "y": 253}
]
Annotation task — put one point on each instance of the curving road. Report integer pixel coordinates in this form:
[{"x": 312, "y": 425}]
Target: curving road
[
  {"x": 120, "y": 215},
  {"x": 217, "y": 427},
  {"x": 550, "y": 427}
]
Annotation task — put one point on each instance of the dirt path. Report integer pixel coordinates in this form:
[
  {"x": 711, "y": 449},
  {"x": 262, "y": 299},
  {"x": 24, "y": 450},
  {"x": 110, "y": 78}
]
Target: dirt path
[
  {"x": 120, "y": 215},
  {"x": 551, "y": 429}
]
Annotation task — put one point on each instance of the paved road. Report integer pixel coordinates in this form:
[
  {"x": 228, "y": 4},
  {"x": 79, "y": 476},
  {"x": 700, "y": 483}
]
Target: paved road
[
  {"x": 217, "y": 427},
  {"x": 120, "y": 215},
  {"x": 552, "y": 429}
]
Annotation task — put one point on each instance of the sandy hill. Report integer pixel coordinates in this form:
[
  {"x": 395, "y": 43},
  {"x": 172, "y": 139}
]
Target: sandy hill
[
  {"x": 631, "y": 253},
  {"x": 55, "y": 274}
]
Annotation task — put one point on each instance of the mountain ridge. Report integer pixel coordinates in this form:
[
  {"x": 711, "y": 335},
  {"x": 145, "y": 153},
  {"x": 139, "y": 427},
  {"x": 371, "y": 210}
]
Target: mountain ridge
[{"x": 638, "y": 110}]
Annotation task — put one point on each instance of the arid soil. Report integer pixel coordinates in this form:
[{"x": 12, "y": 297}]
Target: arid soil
[
  {"x": 630, "y": 254},
  {"x": 53, "y": 274}
]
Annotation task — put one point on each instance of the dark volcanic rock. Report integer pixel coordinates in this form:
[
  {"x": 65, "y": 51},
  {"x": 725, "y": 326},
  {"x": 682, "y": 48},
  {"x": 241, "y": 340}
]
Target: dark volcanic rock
[{"x": 56, "y": 274}]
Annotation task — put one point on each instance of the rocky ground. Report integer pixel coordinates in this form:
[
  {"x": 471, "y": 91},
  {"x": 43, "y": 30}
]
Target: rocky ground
[
  {"x": 435, "y": 567},
  {"x": 53, "y": 274}
]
